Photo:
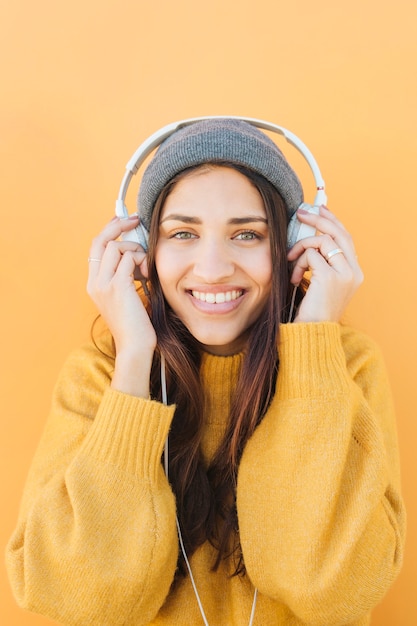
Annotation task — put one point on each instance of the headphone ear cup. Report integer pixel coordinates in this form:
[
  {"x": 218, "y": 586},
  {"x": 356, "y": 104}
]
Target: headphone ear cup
[
  {"x": 296, "y": 230},
  {"x": 138, "y": 235}
]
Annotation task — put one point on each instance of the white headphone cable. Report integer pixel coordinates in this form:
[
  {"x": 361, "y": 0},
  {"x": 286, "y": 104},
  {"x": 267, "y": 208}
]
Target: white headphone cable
[
  {"x": 294, "y": 292},
  {"x": 184, "y": 554}
]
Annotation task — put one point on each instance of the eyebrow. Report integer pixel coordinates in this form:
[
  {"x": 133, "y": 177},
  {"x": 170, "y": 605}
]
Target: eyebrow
[{"x": 187, "y": 219}]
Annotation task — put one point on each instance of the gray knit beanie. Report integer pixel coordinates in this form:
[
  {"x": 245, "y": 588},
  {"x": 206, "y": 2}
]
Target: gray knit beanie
[{"x": 221, "y": 139}]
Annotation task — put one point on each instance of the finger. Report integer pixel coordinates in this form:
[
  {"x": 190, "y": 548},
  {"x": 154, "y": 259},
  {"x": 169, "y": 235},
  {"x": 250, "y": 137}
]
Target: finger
[
  {"x": 110, "y": 232},
  {"x": 318, "y": 219},
  {"x": 328, "y": 260},
  {"x": 141, "y": 271},
  {"x": 323, "y": 243},
  {"x": 133, "y": 267},
  {"x": 311, "y": 259},
  {"x": 326, "y": 213},
  {"x": 327, "y": 248},
  {"x": 113, "y": 255},
  {"x": 324, "y": 222},
  {"x": 328, "y": 224},
  {"x": 329, "y": 231},
  {"x": 134, "y": 263}
]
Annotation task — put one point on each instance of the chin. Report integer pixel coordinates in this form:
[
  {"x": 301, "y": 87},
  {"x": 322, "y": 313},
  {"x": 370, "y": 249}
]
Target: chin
[{"x": 226, "y": 347}]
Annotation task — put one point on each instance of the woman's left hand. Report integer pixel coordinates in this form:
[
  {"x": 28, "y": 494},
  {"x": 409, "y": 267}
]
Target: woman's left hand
[{"x": 335, "y": 272}]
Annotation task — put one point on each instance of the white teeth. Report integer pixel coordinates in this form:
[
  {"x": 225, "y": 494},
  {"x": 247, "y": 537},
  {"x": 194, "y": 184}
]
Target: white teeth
[{"x": 217, "y": 298}]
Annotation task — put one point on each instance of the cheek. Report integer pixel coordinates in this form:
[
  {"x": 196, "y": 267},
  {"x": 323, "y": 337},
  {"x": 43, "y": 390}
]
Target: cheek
[{"x": 261, "y": 270}]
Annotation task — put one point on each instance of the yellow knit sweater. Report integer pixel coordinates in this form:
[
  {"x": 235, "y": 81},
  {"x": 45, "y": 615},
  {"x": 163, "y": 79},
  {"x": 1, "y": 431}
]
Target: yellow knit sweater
[{"x": 320, "y": 516}]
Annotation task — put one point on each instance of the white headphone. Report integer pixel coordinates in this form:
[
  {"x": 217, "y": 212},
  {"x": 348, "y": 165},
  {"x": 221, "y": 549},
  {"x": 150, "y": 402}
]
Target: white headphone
[{"x": 296, "y": 230}]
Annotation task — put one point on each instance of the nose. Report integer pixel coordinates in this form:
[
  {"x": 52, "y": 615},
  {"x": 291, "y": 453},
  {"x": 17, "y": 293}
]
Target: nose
[{"x": 214, "y": 262}]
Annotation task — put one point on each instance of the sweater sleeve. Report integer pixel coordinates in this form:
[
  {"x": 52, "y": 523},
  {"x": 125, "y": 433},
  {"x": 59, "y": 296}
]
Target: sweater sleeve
[
  {"x": 96, "y": 539},
  {"x": 320, "y": 513}
]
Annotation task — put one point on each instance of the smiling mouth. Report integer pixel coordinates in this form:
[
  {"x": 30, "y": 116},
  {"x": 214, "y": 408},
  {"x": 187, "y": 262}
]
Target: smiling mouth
[{"x": 217, "y": 298}]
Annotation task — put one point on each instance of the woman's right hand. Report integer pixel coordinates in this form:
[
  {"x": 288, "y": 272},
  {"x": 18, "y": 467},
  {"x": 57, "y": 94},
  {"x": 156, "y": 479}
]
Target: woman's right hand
[{"x": 112, "y": 264}]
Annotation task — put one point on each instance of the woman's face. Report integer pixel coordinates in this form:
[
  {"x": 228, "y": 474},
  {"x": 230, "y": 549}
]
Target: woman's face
[{"x": 213, "y": 256}]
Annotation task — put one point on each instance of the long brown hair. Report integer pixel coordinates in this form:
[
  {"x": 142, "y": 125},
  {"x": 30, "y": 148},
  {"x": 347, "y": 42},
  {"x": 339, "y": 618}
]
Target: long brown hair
[{"x": 206, "y": 499}]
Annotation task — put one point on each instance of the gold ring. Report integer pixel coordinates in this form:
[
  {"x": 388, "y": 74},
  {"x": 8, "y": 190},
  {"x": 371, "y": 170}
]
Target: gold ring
[{"x": 333, "y": 252}]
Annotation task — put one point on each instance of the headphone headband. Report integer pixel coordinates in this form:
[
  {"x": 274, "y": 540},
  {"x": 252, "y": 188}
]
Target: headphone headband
[{"x": 152, "y": 142}]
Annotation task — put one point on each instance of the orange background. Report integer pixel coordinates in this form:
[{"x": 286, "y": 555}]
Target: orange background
[{"x": 84, "y": 82}]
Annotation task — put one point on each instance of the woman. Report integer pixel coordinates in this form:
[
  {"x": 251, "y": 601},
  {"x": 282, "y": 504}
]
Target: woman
[{"x": 281, "y": 467}]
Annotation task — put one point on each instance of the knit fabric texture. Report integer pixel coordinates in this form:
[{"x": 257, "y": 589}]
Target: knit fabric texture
[
  {"x": 321, "y": 519},
  {"x": 215, "y": 140}
]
